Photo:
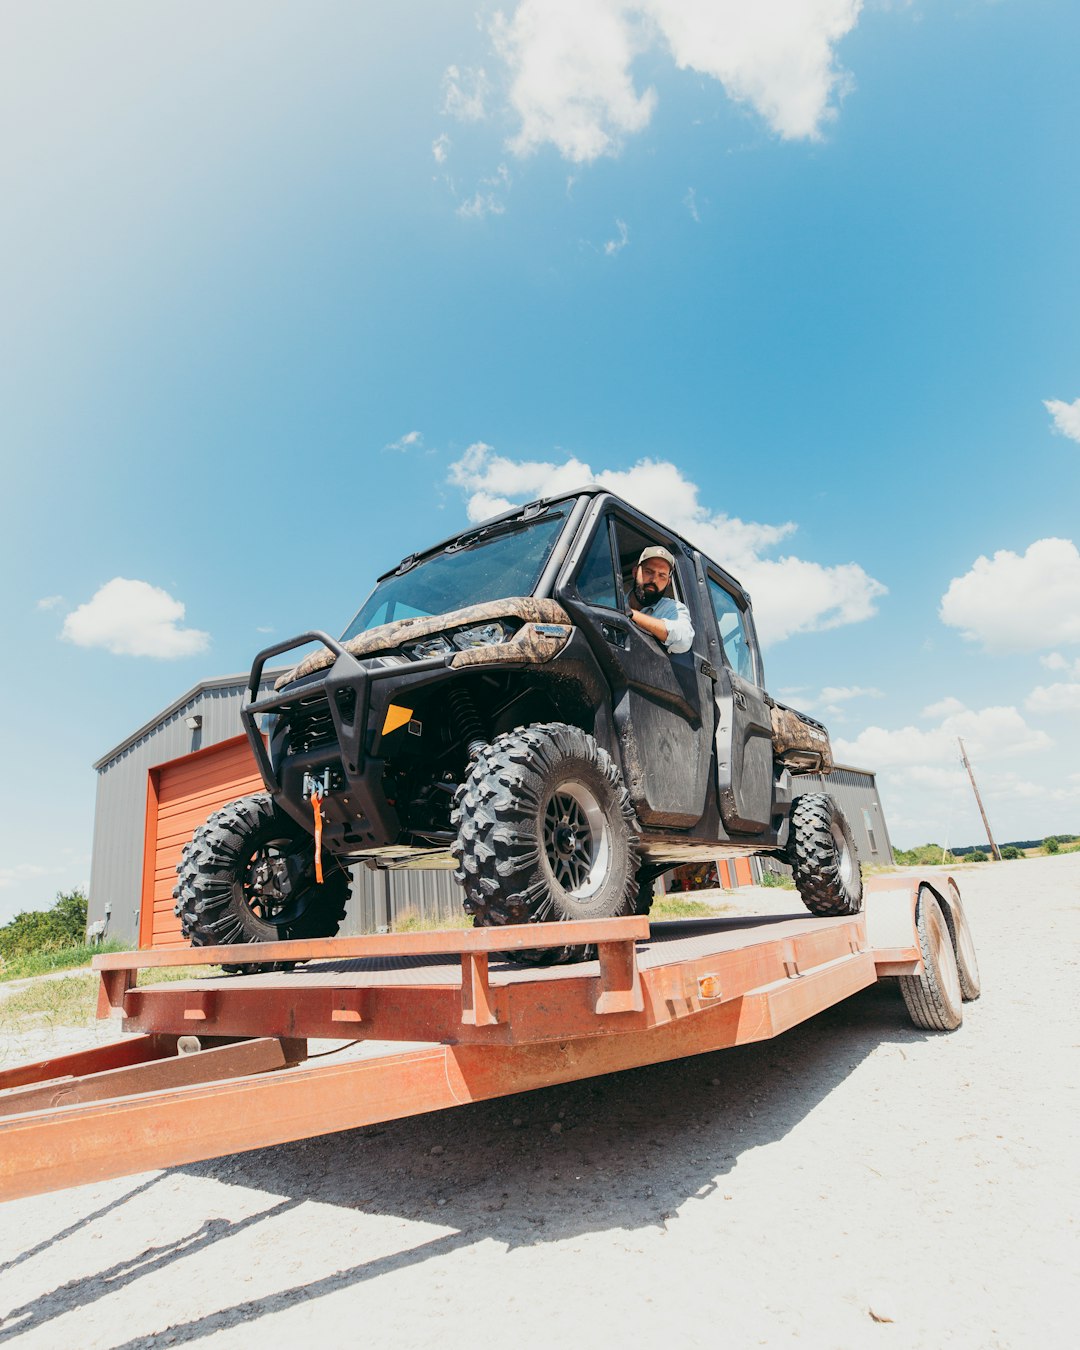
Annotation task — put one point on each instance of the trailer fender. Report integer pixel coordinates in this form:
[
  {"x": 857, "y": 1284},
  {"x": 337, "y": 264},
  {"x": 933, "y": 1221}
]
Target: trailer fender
[{"x": 890, "y": 925}]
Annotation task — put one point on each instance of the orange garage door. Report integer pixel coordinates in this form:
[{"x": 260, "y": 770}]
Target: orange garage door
[{"x": 180, "y": 796}]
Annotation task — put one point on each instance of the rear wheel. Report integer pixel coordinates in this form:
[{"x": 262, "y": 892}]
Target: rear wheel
[
  {"x": 546, "y": 832},
  {"x": 933, "y": 999},
  {"x": 823, "y": 857},
  {"x": 967, "y": 963},
  {"x": 248, "y": 875}
]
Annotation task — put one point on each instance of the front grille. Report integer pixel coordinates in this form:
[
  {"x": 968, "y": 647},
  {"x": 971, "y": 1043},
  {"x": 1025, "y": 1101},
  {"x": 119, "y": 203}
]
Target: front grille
[{"x": 309, "y": 722}]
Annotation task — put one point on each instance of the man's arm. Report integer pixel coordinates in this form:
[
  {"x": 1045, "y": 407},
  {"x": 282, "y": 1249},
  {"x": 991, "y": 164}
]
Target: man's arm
[
  {"x": 649, "y": 623},
  {"x": 670, "y": 624}
]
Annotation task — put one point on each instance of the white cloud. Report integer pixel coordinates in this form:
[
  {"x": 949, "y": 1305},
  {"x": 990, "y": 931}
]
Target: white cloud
[
  {"x": 842, "y": 693},
  {"x": 943, "y": 708},
  {"x": 133, "y": 618},
  {"x": 570, "y": 64},
  {"x": 1054, "y": 698},
  {"x": 465, "y": 93},
  {"x": 690, "y": 202},
  {"x": 412, "y": 440},
  {"x": 989, "y": 733},
  {"x": 1066, "y": 417},
  {"x": 1055, "y": 661},
  {"x": 1023, "y": 775},
  {"x": 440, "y": 148},
  {"x": 1013, "y": 602},
  {"x": 617, "y": 245},
  {"x": 21, "y": 872},
  {"x": 50, "y": 601},
  {"x": 571, "y": 87},
  {"x": 790, "y": 594},
  {"x": 486, "y": 201}
]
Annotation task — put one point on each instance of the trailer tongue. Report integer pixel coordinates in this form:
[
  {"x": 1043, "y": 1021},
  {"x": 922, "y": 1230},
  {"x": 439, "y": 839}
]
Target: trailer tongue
[{"x": 221, "y": 1065}]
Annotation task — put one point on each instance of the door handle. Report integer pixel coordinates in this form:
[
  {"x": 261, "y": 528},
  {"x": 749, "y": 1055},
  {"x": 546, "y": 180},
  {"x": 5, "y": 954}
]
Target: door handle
[{"x": 614, "y": 633}]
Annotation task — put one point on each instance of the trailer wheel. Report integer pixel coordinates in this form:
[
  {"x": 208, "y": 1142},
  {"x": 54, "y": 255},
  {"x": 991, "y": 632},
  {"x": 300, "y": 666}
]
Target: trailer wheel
[
  {"x": 546, "y": 832},
  {"x": 967, "y": 963},
  {"x": 823, "y": 857},
  {"x": 248, "y": 875},
  {"x": 933, "y": 999}
]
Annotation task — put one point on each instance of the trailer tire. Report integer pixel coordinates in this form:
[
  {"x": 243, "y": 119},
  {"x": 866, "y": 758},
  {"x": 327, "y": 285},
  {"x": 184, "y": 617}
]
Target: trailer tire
[
  {"x": 545, "y": 832},
  {"x": 934, "y": 1001},
  {"x": 967, "y": 963},
  {"x": 823, "y": 857},
  {"x": 224, "y": 892}
]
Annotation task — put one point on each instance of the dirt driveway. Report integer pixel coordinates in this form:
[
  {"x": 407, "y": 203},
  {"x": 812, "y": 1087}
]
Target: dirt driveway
[{"x": 854, "y": 1183}]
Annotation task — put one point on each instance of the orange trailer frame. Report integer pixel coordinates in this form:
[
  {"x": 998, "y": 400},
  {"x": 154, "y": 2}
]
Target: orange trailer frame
[{"x": 651, "y": 994}]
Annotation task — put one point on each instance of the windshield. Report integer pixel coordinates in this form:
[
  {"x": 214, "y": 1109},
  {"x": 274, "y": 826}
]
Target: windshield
[{"x": 509, "y": 563}]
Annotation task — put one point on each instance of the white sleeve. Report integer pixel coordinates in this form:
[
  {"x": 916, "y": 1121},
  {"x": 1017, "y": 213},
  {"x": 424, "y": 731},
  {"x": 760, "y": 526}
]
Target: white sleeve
[{"x": 680, "y": 630}]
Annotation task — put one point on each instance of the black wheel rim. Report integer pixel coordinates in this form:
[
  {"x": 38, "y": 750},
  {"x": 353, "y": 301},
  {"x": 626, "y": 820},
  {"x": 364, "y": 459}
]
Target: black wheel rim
[
  {"x": 577, "y": 840},
  {"x": 269, "y": 892}
]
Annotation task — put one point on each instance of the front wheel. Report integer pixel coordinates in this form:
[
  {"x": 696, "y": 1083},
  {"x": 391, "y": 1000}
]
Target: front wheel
[
  {"x": 823, "y": 858},
  {"x": 248, "y": 875},
  {"x": 545, "y": 831}
]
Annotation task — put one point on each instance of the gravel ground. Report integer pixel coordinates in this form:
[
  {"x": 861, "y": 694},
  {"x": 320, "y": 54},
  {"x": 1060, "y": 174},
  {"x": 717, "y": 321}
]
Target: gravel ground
[{"x": 853, "y": 1183}]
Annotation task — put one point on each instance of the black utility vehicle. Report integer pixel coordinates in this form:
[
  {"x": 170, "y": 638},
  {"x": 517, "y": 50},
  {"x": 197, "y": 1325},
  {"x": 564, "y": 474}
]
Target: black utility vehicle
[{"x": 493, "y": 708}]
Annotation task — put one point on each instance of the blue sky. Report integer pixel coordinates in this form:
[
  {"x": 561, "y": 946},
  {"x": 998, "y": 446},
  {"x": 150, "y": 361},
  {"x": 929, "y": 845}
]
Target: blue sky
[{"x": 289, "y": 290}]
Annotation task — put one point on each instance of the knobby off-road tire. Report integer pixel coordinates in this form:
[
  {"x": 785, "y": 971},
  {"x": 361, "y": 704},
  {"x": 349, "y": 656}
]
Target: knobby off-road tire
[
  {"x": 933, "y": 999},
  {"x": 546, "y": 832},
  {"x": 823, "y": 857},
  {"x": 226, "y": 893},
  {"x": 967, "y": 963}
]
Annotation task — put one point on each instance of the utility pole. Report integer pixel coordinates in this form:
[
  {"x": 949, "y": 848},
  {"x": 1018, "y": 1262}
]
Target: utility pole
[{"x": 982, "y": 811}]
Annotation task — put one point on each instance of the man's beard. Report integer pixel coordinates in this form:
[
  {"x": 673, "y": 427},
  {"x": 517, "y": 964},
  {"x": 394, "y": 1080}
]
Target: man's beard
[{"x": 649, "y": 592}]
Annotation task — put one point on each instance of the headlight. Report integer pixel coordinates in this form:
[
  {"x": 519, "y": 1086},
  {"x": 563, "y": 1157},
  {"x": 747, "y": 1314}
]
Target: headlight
[
  {"x": 480, "y": 635},
  {"x": 483, "y": 635},
  {"x": 432, "y": 646}
]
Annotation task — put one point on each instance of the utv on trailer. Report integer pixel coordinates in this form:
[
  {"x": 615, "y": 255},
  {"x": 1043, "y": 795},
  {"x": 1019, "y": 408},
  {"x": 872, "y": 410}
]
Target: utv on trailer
[{"x": 493, "y": 708}]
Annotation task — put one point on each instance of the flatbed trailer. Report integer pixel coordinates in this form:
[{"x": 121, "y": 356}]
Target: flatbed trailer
[{"x": 220, "y": 1065}]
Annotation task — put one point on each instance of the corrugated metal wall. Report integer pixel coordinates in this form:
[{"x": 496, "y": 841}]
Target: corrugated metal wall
[
  {"x": 116, "y": 869},
  {"x": 381, "y": 900}
]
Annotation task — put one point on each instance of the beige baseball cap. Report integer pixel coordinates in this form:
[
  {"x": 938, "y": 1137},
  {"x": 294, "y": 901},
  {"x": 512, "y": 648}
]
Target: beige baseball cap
[{"x": 655, "y": 552}]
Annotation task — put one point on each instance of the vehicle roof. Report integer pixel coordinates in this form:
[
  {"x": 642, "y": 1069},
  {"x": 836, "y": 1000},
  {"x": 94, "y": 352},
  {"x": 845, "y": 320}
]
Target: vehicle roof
[{"x": 574, "y": 494}]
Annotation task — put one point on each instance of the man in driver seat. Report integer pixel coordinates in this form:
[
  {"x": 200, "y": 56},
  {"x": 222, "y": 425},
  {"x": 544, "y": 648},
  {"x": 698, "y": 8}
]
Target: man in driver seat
[{"x": 660, "y": 615}]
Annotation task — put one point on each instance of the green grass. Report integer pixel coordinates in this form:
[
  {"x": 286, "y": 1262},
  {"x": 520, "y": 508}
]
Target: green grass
[
  {"x": 70, "y": 1002},
  {"x": 675, "y": 907},
  {"x": 414, "y": 923},
  {"x": 774, "y": 880},
  {"x": 29, "y": 964}
]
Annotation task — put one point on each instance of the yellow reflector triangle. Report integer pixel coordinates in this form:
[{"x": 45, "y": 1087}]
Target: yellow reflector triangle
[{"x": 395, "y": 717}]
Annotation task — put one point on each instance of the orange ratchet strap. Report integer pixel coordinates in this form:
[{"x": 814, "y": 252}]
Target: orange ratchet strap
[{"x": 316, "y": 803}]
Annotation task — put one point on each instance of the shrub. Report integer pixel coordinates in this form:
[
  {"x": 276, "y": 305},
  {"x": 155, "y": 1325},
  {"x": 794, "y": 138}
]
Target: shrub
[
  {"x": 1010, "y": 851},
  {"x": 1051, "y": 844},
  {"x": 976, "y": 855},
  {"x": 924, "y": 855},
  {"x": 37, "y": 930},
  {"x": 771, "y": 879}
]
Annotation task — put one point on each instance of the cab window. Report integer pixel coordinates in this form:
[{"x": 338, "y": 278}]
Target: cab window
[
  {"x": 631, "y": 544},
  {"x": 596, "y": 576},
  {"x": 729, "y": 620}
]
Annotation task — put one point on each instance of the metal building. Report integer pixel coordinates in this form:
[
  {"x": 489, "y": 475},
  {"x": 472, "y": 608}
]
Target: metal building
[{"x": 159, "y": 784}]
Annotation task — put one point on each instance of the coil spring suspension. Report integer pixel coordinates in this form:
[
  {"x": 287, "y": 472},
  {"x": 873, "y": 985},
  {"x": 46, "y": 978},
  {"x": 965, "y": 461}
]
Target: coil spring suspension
[{"x": 467, "y": 722}]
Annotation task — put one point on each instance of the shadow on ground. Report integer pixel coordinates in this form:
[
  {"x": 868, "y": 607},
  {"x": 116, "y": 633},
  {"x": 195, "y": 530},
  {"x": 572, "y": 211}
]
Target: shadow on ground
[{"x": 625, "y": 1151}]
